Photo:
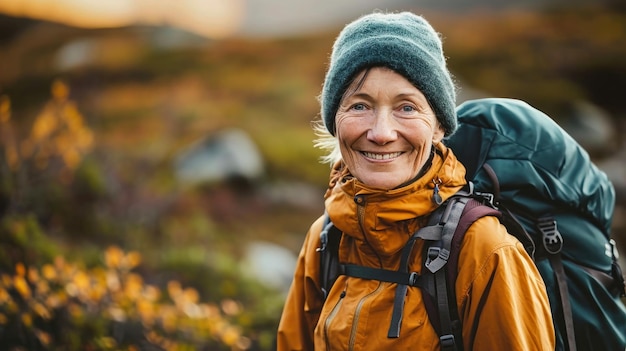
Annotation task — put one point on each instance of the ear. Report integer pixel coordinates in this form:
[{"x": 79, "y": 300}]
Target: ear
[{"x": 438, "y": 134}]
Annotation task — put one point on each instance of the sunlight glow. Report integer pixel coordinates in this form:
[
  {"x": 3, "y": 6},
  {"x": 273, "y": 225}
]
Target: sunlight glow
[{"x": 210, "y": 18}]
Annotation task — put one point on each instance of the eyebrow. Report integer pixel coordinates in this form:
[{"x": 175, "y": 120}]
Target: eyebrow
[
  {"x": 364, "y": 95},
  {"x": 360, "y": 95},
  {"x": 414, "y": 95}
]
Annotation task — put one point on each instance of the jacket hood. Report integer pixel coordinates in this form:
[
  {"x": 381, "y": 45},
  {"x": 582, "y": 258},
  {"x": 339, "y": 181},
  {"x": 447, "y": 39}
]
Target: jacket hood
[{"x": 385, "y": 219}]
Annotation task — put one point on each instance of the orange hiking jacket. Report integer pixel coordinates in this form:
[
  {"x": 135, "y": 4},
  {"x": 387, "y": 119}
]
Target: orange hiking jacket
[{"x": 501, "y": 297}]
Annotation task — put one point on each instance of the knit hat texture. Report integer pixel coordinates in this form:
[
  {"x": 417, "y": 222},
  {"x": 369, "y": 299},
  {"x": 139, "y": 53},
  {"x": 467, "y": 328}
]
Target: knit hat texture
[{"x": 403, "y": 42}]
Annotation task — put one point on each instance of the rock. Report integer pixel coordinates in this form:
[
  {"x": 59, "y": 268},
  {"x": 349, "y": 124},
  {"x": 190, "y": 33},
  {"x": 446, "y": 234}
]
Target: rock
[
  {"x": 227, "y": 154},
  {"x": 295, "y": 194},
  {"x": 271, "y": 264}
]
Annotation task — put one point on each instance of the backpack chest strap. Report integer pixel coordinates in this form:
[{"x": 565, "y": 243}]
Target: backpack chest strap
[{"x": 383, "y": 275}]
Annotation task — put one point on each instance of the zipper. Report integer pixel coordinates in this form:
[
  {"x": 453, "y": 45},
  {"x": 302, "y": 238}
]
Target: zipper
[
  {"x": 360, "y": 212},
  {"x": 330, "y": 318},
  {"x": 360, "y": 201},
  {"x": 357, "y": 314}
]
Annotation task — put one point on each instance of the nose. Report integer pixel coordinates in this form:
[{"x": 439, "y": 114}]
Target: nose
[{"x": 382, "y": 129}]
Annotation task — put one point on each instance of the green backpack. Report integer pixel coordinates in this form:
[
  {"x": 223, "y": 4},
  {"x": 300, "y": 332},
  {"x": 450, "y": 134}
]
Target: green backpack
[
  {"x": 563, "y": 201},
  {"x": 524, "y": 169}
]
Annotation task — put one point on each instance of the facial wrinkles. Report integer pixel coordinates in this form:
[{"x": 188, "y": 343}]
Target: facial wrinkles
[
  {"x": 348, "y": 157},
  {"x": 427, "y": 145},
  {"x": 384, "y": 130},
  {"x": 423, "y": 155}
]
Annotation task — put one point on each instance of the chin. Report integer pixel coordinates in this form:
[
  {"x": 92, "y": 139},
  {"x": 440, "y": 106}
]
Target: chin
[{"x": 383, "y": 185}]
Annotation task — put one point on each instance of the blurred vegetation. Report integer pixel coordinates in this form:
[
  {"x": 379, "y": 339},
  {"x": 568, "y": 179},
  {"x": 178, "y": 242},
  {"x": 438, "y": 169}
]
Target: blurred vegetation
[
  {"x": 57, "y": 206},
  {"x": 101, "y": 248},
  {"x": 550, "y": 59},
  {"x": 65, "y": 306}
]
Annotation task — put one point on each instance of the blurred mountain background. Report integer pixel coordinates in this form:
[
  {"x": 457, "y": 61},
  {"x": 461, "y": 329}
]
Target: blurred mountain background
[{"x": 157, "y": 168}]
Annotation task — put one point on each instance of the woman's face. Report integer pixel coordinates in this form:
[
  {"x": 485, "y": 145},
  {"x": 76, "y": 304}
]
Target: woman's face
[{"x": 385, "y": 129}]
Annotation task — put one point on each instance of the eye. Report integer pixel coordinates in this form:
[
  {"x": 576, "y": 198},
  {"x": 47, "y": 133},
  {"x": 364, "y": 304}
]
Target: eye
[
  {"x": 358, "y": 107},
  {"x": 408, "y": 108}
]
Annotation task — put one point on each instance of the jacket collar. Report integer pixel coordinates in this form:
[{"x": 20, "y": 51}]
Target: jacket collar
[{"x": 386, "y": 218}]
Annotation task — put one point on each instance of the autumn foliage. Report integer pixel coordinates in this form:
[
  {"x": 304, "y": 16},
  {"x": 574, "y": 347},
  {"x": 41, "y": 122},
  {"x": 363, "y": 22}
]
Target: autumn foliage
[
  {"x": 50, "y": 303},
  {"x": 62, "y": 305}
]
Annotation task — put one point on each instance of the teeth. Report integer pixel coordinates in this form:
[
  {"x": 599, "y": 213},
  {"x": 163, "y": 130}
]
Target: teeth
[{"x": 381, "y": 156}]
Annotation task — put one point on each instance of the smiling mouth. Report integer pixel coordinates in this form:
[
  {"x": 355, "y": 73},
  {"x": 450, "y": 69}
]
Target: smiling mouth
[{"x": 376, "y": 156}]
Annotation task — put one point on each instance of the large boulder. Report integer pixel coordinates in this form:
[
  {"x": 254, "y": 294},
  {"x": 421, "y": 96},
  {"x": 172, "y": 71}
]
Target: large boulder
[{"x": 223, "y": 156}]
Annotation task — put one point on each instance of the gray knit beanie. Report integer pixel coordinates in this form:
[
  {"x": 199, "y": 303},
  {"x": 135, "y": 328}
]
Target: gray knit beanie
[{"x": 403, "y": 42}]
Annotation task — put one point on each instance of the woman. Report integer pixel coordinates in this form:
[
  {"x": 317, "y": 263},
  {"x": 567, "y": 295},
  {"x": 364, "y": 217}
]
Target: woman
[{"x": 388, "y": 101}]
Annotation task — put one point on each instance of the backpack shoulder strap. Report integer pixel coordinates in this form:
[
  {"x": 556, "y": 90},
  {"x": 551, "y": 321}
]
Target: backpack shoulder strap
[
  {"x": 474, "y": 209},
  {"x": 330, "y": 237},
  {"x": 465, "y": 209}
]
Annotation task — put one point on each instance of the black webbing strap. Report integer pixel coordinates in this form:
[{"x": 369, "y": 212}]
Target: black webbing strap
[
  {"x": 402, "y": 277},
  {"x": 559, "y": 271},
  {"x": 383, "y": 275},
  {"x": 439, "y": 234},
  {"x": 401, "y": 289},
  {"x": 330, "y": 237},
  {"x": 435, "y": 261},
  {"x": 606, "y": 280},
  {"x": 447, "y": 339},
  {"x": 553, "y": 243}
]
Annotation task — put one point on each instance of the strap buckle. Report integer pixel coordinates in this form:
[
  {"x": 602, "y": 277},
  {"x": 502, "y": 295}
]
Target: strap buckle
[
  {"x": 413, "y": 278},
  {"x": 484, "y": 198},
  {"x": 437, "y": 258},
  {"x": 552, "y": 239},
  {"x": 433, "y": 252},
  {"x": 324, "y": 237},
  {"x": 447, "y": 342}
]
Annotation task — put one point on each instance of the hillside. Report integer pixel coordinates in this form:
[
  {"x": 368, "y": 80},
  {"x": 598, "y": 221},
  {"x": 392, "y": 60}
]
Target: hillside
[{"x": 144, "y": 95}]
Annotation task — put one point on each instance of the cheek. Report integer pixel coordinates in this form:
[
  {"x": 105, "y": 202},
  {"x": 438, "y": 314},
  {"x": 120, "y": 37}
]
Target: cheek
[
  {"x": 419, "y": 132},
  {"x": 347, "y": 129},
  {"x": 347, "y": 135},
  {"x": 345, "y": 139}
]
